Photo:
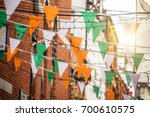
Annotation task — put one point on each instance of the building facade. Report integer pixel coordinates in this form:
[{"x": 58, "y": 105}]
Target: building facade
[{"x": 21, "y": 84}]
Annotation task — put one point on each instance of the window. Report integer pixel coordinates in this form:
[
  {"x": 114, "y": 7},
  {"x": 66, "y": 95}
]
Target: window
[
  {"x": 23, "y": 95},
  {"x": 6, "y": 86},
  {"x": 3, "y": 38}
]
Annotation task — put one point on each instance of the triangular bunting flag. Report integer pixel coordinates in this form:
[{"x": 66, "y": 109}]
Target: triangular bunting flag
[
  {"x": 137, "y": 59},
  {"x": 81, "y": 70},
  {"x": 2, "y": 54},
  {"x": 20, "y": 29},
  {"x": 3, "y": 18},
  {"x": 81, "y": 86},
  {"x": 126, "y": 97},
  {"x": 66, "y": 82},
  {"x": 86, "y": 71},
  {"x": 50, "y": 76},
  {"x": 103, "y": 73},
  {"x": 109, "y": 57},
  {"x": 110, "y": 95},
  {"x": 17, "y": 62},
  {"x": 87, "y": 74},
  {"x": 96, "y": 90},
  {"x": 103, "y": 46},
  {"x": 51, "y": 13},
  {"x": 89, "y": 18},
  {"x": 109, "y": 77},
  {"x": 37, "y": 59},
  {"x": 10, "y": 6},
  {"x": 62, "y": 67},
  {"x": 48, "y": 36},
  {"x": 76, "y": 42},
  {"x": 135, "y": 79},
  {"x": 97, "y": 27},
  {"x": 33, "y": 66},
  {"x": 34, "y": 21},
  {"x": 40, "y": 49},
  {"x": 56, "y": 66},
  {"x": 65, "y": 41},
  {"x": 9, "y": 55},
  {"x": 128, "y": 77},
  {"x": 13, "y": 44},
  {"x": 81, "y": 55}
]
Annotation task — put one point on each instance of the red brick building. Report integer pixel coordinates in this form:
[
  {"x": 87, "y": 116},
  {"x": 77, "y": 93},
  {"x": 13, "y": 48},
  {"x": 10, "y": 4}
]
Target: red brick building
[{"x": 21, "y": 84}]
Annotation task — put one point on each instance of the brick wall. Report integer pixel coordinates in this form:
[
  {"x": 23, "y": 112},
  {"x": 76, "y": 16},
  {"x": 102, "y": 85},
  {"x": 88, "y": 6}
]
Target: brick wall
[{"x": 21, "y": 79}]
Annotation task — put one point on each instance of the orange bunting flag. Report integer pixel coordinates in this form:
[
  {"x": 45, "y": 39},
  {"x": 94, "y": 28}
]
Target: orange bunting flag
[
  {"x": 81, "y": 55},
  {"x": 86, "y": 71},
  {"x": 51, "y": 13},
  {"x": 9, "y": 55},
  {"x": 110, "y": 95},
  {"x": 87, "y": 74},
  {"x": 66, "y": 81},
  {"x": 17, "y": 62},
  {"x": 81, "y": 70},
  {"x": 34, "y": 21},
  {"x": 76, "y": 42}
]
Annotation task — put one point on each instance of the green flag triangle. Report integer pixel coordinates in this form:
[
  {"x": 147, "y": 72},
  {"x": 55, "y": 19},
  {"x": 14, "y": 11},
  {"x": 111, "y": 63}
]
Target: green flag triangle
[
  {"x": 96, "y": 90},
  {"x": 97, "y": 27},
  {"x": 20, "y": 29},
  {"x": 109, "y": 77},
  {"x": 2, "y": 54},
  {"x": 38, "y": 59},
  {"x": 103, "y": 46},
  {"x": 56, "y": 66},
  {"x": 128, "y": 77},
  {"x": 137, "y": 59},
  {"x": 40, "y": 49},
  {"x": 3, "y": 18},
  {"x": 89, "y": 18},
  {"x": 50, "y": 76}
]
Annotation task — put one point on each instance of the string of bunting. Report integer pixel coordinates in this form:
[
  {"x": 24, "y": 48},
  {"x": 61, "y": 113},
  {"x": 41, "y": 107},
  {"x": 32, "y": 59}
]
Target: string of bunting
[{"x": 61, "y": 66}]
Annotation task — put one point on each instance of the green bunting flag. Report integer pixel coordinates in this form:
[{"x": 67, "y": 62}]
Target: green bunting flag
[
  {"x": 38, "y": 59},
  {"x": 128, "y": 77},
  {"x": 89, "y": 18},
  {"x": 20, "y": 29},
  {"x": 97, "y": 27},
  {"x": 2, "y": 54},
  {"x": 56, "y": 66},
  {"x": 50, "y": 76},
  {"x": 40, "y": 49},
  {"x": 96, "y": 90},
  {"x": 3, "y": 18},
  {"x": 109, "y": 77},
  {"x": 103, "y": 46},
  {"x": 137, "y": 59}
]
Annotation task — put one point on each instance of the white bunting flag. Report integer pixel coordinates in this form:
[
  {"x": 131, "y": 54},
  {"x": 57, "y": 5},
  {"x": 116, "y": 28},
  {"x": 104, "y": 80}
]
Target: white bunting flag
[
  {"x": 62, "y": 67},
  {"x": 13, "y": 44},
  {"x": 109, "y": 57},
  {"x": 103, "y": 72},
  {"x": 126, "y": 97},
  {"x": 10, "y": 6},
  {"x": 81, "y": 86},
  {"x": 33, "y": 66},
  {"x": 135, "y": 79},
  {"x": 48, "y": 36},
  {"x": 65, "y": 40}
]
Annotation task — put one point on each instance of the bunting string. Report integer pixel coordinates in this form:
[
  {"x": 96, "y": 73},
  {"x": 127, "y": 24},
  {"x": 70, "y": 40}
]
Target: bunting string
[{"x": 112, "y": 43}]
